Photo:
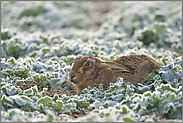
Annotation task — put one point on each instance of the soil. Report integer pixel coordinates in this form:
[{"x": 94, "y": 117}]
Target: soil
[
  {"x": 59, "y": 92},
  {"x": 51, "y": 91}
]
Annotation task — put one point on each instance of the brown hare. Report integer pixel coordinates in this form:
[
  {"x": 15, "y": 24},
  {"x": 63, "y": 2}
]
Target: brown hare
[{"x": 91, "y": 71}]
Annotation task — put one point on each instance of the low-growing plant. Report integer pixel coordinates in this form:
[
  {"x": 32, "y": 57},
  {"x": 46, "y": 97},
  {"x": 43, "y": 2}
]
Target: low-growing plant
[{"x": 36, "y": 57}]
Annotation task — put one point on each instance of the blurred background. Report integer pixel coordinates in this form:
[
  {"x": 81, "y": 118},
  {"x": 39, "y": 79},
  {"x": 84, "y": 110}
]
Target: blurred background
[
  {"x": 36, "y": 15},
  {"x": 152, "y": 24}
]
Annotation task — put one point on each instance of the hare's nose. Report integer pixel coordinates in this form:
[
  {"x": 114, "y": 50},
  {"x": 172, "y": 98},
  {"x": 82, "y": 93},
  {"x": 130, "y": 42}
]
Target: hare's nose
[{"x": 72, "y": 78}]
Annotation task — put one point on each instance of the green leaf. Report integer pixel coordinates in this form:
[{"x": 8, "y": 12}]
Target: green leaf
[
  {"x": 44, "y": 101},
  {"x": 18, "y": 100},
  {"x": 117, "y": 107},
  {"x": 55, "y": 97},
  {"x": 5, "y": 35},
  {"x": 124, "y": 110},
  {"x": 112, "y": 58},
  {"x": 128, "y": 120},
  {"x": 28, "y": 91},
  {"x": 12, "y": 113}
]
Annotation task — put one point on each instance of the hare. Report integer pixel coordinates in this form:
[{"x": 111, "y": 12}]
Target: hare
[{"x": 91, "y": 71}]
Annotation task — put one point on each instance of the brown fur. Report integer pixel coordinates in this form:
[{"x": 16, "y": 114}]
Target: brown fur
[{"x": 133, "y": 69}]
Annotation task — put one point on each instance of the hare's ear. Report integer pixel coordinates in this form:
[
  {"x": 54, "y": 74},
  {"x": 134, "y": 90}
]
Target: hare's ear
[
  {"x": 110, "y": 65},
  {"x": 119, "y": 68},
  {"x": 99, "y": 64}
]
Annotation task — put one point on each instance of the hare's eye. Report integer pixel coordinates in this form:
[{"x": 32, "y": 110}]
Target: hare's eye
[{"x": 87, "y": 64}]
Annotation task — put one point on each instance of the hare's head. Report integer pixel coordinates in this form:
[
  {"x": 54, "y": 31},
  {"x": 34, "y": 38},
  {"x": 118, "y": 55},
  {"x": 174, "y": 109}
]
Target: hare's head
[{"x": 84, "y": 69}]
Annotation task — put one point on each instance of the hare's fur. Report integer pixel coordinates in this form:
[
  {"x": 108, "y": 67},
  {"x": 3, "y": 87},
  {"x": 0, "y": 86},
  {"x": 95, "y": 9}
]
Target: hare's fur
[{"x": 90, "y": 71}]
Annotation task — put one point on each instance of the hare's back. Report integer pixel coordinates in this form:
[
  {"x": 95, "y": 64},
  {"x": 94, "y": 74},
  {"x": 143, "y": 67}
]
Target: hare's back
[{"x": 133, "y": 61}]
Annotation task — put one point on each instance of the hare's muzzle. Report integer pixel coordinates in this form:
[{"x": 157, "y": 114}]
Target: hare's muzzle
[{"x": 72, "y": 78}]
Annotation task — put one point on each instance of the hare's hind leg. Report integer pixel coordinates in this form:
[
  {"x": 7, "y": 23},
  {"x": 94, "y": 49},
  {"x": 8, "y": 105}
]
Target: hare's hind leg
[
  {"x": 143, "y": 70},
  {"x": 146, "y": 68}
]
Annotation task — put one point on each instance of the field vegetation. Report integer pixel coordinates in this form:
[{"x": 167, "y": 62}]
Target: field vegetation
[{"x": 40, "y": 40}]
